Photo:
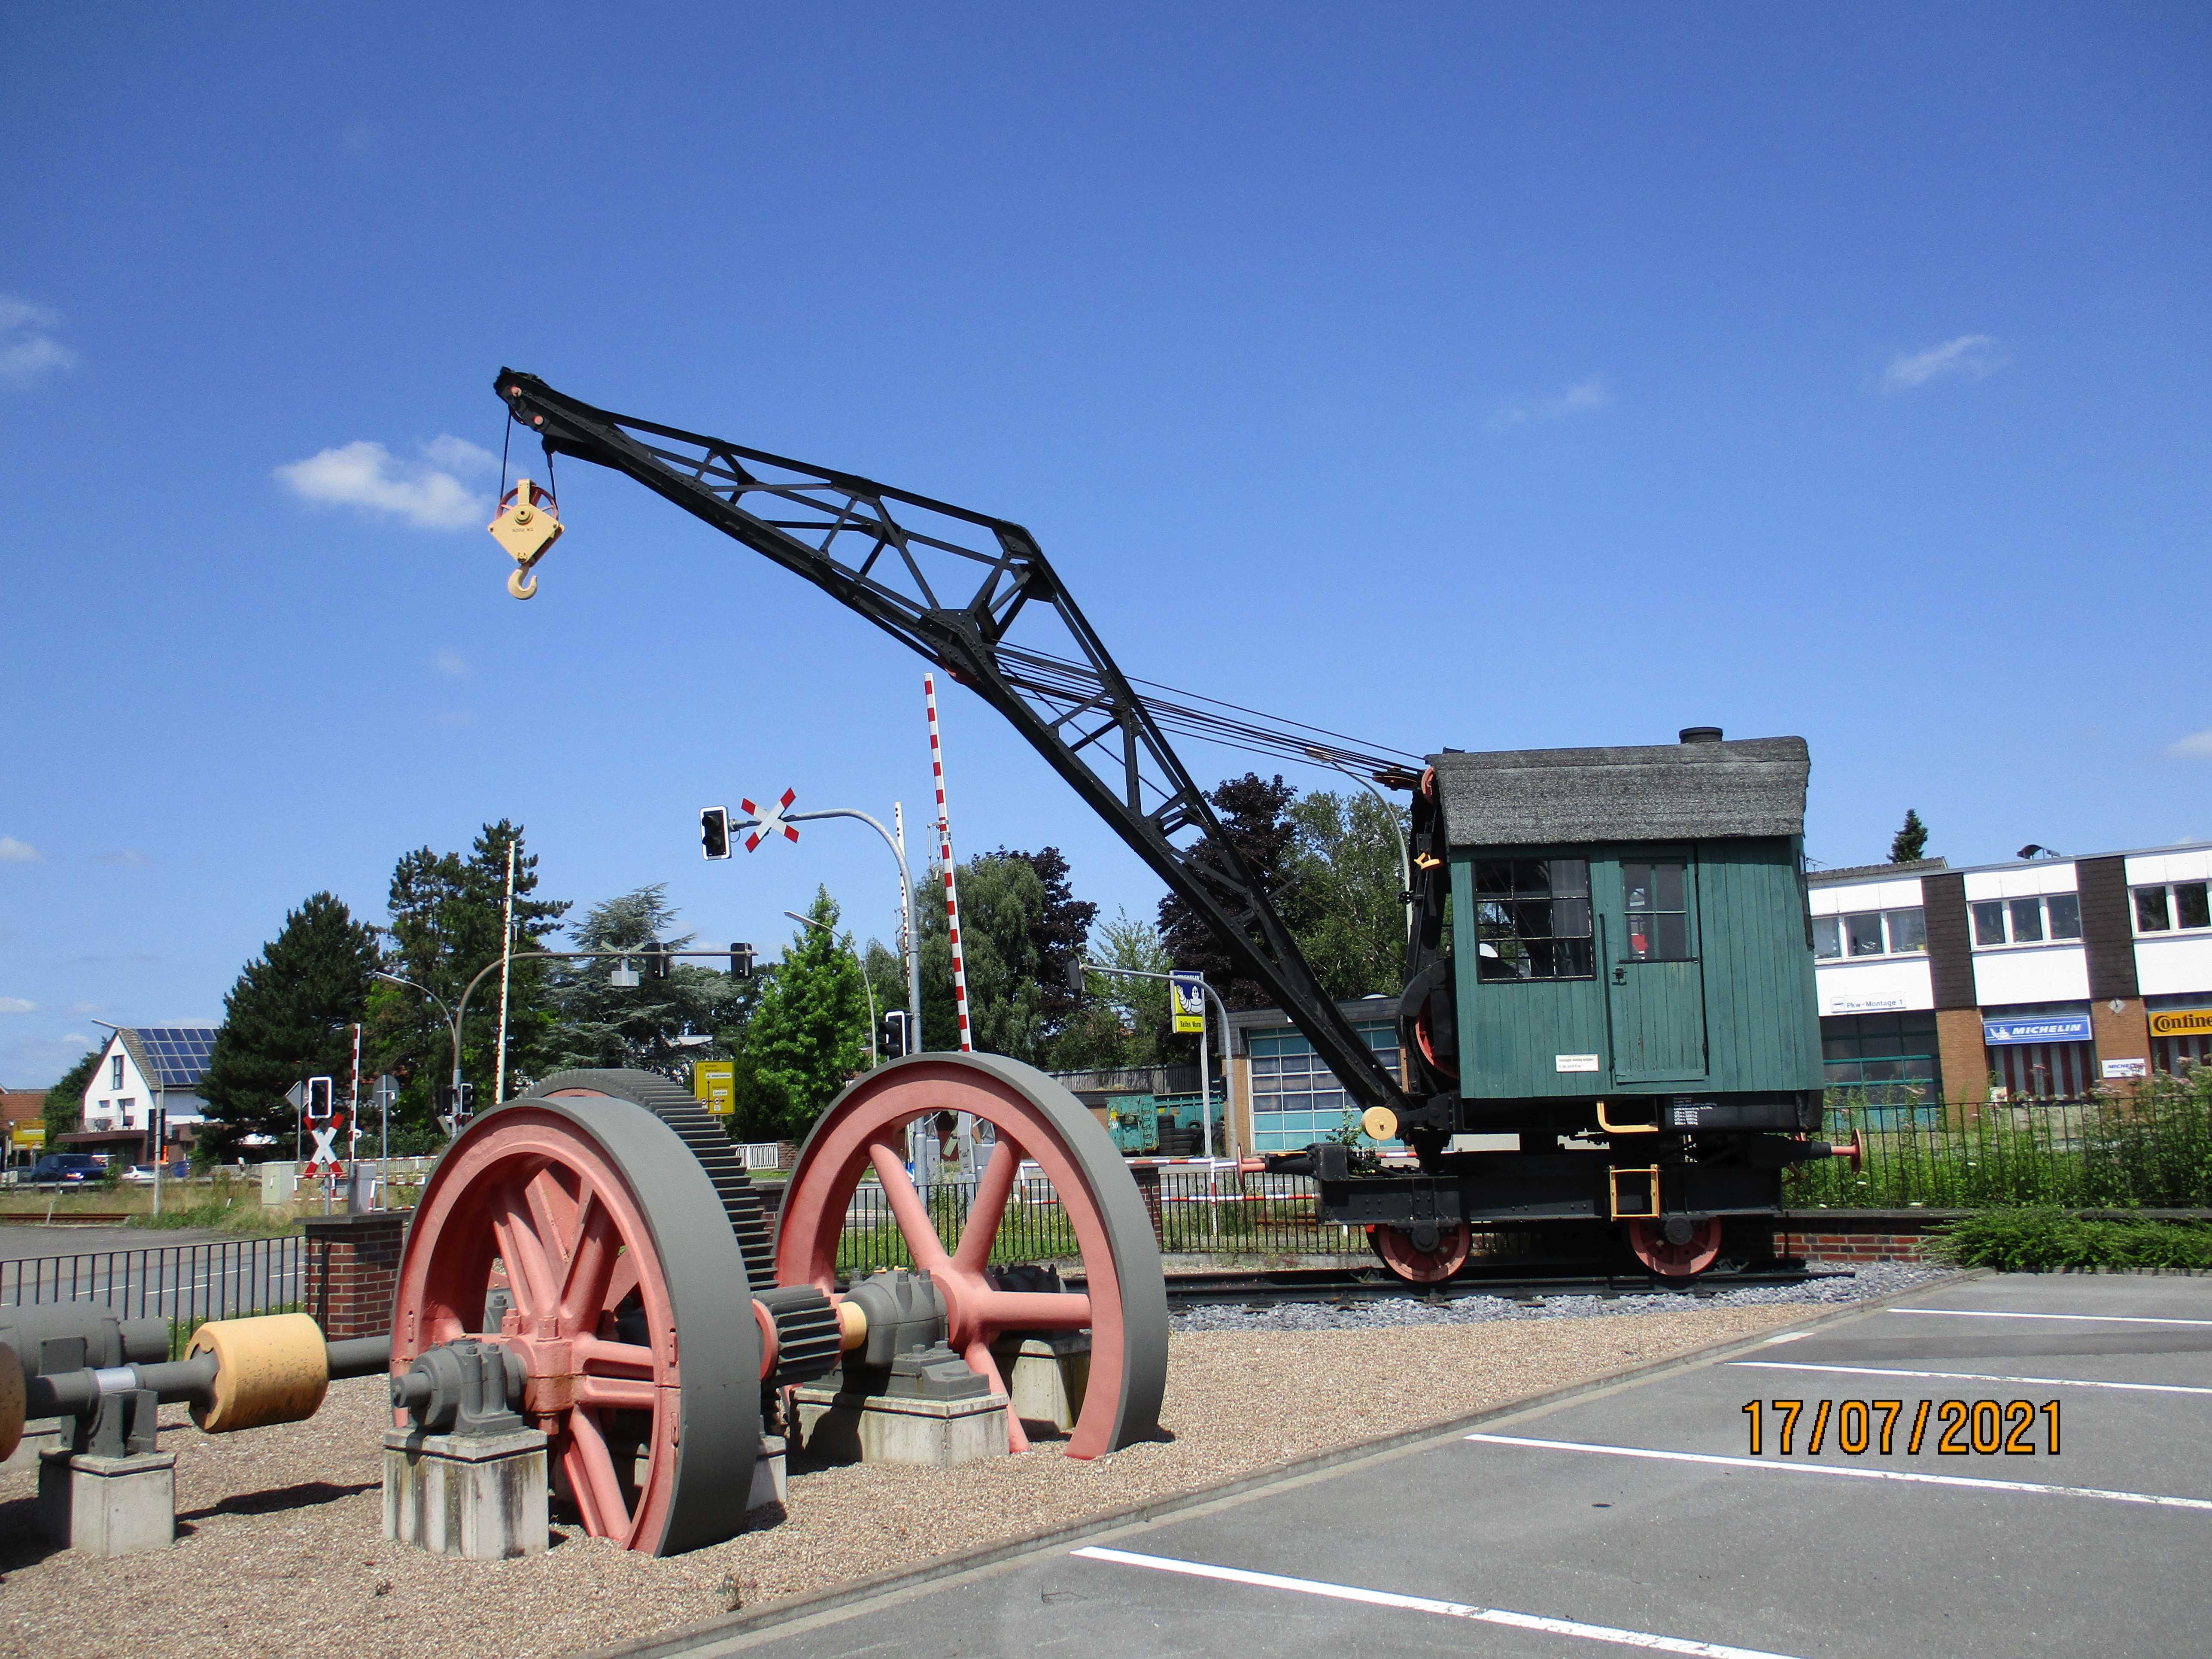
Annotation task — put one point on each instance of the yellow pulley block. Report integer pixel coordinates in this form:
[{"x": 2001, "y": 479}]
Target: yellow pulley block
[{"x": 527, "y": 528}]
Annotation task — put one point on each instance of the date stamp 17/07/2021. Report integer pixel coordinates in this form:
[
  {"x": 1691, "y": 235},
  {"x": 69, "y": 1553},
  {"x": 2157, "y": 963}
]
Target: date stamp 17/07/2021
[{"x": 1948, "y": 1428}]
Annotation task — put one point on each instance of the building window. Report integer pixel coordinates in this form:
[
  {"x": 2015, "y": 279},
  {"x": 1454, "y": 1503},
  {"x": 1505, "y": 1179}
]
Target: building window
[
  {"x": 2177, "y": 906},
  {"x": 115, "y": 1073},
  {"x": 1871, "y": 933},
  {"x": 2026, "y": 920},
  {"x": 1296, "y": 1100},
  {"x": 1883, "y": 1061},
  {"x": 1533, "y": 919},
  {"x": 1656, "y": 898}
]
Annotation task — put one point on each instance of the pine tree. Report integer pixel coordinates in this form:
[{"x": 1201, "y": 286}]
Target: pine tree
[
  {"x": 600, "y": 1024},
  {"x": 1910, "y": 841},
  {"x": 808, "y": 1037},
  {"x": 444, "y": 912},
  {"x": 288, "y": 1018}
]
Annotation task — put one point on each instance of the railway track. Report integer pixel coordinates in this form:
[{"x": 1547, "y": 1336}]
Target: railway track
[{"x": 1342, "y": 1286}]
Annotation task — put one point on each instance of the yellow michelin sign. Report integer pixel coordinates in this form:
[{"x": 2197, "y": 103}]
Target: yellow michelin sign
[
  {"x": 2181, "y": 1022},
  {"x": 714, "y": 1085}
]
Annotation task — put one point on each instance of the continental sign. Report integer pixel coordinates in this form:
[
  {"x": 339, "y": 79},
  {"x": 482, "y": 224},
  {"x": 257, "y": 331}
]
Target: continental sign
[{"x": 2181, "y": 1022}]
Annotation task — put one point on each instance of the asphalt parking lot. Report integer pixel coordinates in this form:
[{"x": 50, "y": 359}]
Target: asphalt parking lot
[{"x": 1638, "y": 1518}]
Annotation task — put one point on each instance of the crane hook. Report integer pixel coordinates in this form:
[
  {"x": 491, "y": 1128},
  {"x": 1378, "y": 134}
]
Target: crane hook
[{"x": 527, "y": 528}]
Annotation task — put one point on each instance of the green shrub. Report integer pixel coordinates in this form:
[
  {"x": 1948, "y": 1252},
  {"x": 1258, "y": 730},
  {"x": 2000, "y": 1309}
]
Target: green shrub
[{"x": 2040, "y": 1239}]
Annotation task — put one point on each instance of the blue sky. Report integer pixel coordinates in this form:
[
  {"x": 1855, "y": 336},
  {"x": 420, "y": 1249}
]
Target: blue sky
[{"x": 1494, "y": 379}]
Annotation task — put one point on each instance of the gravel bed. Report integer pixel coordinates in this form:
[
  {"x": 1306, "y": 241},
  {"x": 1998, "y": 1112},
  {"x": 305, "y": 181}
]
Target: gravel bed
[
  {"x": 280, "y": 1551},
  {"x": 1862, "y": 1283}
]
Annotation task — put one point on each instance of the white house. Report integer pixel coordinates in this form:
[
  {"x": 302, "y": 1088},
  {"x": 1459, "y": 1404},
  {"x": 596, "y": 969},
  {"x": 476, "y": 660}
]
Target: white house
[{"x": 145, "y": 1071}]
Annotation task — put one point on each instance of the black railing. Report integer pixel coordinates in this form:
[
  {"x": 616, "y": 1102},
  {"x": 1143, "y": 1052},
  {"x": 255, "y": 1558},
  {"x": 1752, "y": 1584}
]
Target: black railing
[
  {"x": 184, "y": 1284},
  {"x": 2150, "y": 1150}
]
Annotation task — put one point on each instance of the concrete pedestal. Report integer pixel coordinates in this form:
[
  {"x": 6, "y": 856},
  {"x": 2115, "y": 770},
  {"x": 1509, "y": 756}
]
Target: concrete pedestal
[
  {"x": 769, "y": 1485},
  {"x": 483, "y": 1498},
  {"x": 1045, "y": 1377},
  {"x": 109, "y": 1505},
  {"x": 880, "y": 1428},
  {"x": 37, "y": 1437}
]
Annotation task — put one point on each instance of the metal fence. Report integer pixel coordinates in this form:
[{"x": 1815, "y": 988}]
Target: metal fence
[
  {"x": 2148, "y": 1151},
  {"x": 1196, "y": 1211},
  {"x": 182, "y": 1283}
]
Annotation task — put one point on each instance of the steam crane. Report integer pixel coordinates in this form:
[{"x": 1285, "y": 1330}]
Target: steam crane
[{"x": 1631, "y": 999}]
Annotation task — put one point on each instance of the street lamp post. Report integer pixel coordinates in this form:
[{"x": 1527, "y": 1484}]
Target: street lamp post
[
  {"x": 874, "y": 1057},
  {"x": 1320, "y": 757}
]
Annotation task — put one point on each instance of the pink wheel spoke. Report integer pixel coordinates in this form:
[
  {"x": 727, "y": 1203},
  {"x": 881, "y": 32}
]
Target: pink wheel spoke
[
  {"x": 907, "y": 1209},
  {"x": 1033, "y": 1310},
  {"x": 622, "y": 1394},
  {"x": 990, "y": 1206},
  {"x": 527, "y": 1276},
  {"x": 980, "y": 1358},
  {"x": 597, "y": 1357},
  {"x": 590, "y": 1267},
  {"x": 552, "y": 1214},
  {"x": 599, "y": 1472},
  {"x": 623, "y": 1282},
  {"x": 577, "y": 1466}
]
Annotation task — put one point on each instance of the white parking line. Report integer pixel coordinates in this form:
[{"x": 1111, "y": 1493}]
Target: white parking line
[
  {"x": 1972, "y": 1377},
  {"x": 1626, "y": 1638},
  {"x": 2092, "y": 1318},
  {"x": 2159, "y": 1500}
]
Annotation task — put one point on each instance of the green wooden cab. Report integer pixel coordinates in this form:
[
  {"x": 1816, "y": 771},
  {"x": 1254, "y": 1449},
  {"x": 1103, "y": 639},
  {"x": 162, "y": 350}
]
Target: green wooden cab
[{"x": 1629, "y": 925}]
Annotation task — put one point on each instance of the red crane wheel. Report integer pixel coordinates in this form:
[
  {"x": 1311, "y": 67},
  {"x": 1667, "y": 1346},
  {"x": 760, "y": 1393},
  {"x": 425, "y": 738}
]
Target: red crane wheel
[{"x": 1123, "y": 1304}]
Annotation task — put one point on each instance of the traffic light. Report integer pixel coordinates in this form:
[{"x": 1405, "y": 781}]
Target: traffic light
[
  {"x": 714, "y": 831},
  {"x": 1075, "y": 977},
  {"x": 319, "y": 1099},
  {"x": 741, "y": 961},
  {"x": 656, "y": 959},
  {"x": 459, "y": 1099},
  {"x": 894, "y": 1042}
]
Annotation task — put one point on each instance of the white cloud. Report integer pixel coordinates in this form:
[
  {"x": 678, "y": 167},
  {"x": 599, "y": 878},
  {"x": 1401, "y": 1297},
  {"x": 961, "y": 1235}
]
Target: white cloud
[
  {"x": 16, "y": 1006},
  {"x": 1582, "y": 396},
  {"x": 366, "y": 475},
  {"x": 458, "y": 455},
  {"x": 2198, "y": 745},
  {"x": 27, "y": 346},
  {"x": 1977, "y": 356},
  {"x": 452, "y": 663},
  {"x": 17, "y": 852}
]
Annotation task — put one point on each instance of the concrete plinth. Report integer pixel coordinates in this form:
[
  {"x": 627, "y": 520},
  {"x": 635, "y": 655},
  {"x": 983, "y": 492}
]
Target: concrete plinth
[
  {"x": 483, "y": 1498},
  {"x": 37, "y": 1437},
  {"x": 109, "y": 1505},
  {"x": 769, "y": 1486},
  {"x": 1045, "y": 1377},
  {"x": 878, "y": 1428}
]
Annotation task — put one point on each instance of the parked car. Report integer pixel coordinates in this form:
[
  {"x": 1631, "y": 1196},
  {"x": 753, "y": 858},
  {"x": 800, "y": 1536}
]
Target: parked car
[
  {"x": 65, "y": 1169},
  {"x": 144, "y": 1172}
]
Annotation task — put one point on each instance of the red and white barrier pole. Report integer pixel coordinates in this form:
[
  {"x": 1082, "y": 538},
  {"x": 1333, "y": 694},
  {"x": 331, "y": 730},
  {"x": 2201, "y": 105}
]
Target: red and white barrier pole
[{"x": 944, "y": 854}]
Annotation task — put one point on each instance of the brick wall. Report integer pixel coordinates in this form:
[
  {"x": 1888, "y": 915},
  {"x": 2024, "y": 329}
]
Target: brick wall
[
  {"x": 1846, "y": 1236},
  {"x": 353, "y": 1271}
]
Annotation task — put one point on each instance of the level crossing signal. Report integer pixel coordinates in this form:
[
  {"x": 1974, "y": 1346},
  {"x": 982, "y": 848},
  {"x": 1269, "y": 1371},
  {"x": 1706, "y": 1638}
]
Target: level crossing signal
[{"x": 319, "y": 1090}]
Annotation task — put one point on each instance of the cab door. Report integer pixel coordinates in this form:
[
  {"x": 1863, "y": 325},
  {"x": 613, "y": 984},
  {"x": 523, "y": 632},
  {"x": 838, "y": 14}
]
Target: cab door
[{"x": 1654, "y": 976}]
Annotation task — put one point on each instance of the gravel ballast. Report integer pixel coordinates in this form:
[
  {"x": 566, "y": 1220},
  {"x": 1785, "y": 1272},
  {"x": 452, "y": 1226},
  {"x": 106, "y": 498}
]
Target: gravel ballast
[{"x": 280, "y": 1551}]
